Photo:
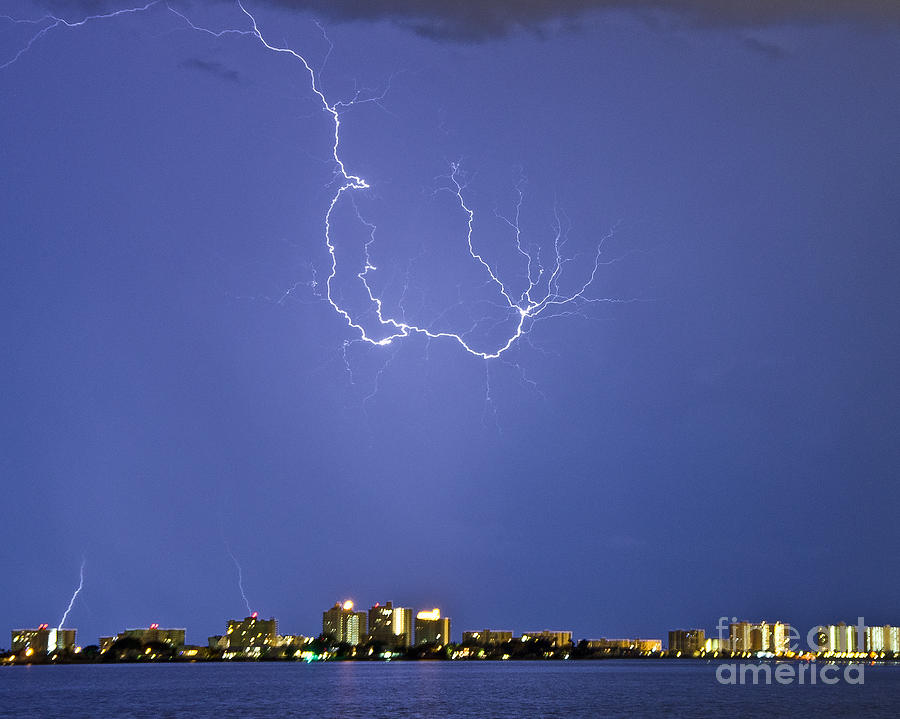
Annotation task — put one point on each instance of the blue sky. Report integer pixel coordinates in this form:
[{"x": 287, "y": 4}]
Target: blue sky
[{"x": 723, "y": 442}]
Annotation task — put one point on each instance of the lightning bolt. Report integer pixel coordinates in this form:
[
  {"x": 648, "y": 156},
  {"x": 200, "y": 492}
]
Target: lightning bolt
[
  {"x": 51, "y": 22},
  {"x": 539, "y": 298},
  {"x": 74, "y": 596},
  {"x": 542, "y": 297},
  {"x": 240, "y": 573}
]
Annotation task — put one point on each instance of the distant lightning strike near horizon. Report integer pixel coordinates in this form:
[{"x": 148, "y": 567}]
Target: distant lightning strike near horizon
[
  {"x": 240, "y": 578},
  {"x": 74, "y": 597},
  {"x": 542, "y": 298}
]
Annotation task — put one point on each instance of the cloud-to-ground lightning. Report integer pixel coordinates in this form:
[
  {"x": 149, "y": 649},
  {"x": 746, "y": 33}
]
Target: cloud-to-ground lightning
[
  {"x": 74, "y": 597},
  {"x": 240, "y": 577},
  {"x": 542, "y": 296}
]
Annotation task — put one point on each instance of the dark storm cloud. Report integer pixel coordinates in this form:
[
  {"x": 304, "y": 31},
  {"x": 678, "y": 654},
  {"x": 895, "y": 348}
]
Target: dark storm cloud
[
  {"x": 770, "y": 49},
  {"x": 472, "y": 20},
  {"x": 212, "y": 67},
  {"x": 481, "y": 19}
]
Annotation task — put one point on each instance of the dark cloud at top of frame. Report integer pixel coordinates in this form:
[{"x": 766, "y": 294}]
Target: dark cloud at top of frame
[
  {"x": 474, "y": 20},
  {"x": 478, "y": 20}
]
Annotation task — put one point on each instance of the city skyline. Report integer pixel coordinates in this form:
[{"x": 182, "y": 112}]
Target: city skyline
[
  {"x": 255, "y": 638},
  {"x": 392, "y": 626},
  {"x": 257, "y": 253}
]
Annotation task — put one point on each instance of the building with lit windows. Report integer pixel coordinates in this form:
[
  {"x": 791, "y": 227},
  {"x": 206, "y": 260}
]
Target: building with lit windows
[
  {"x": 294, "y": 641},
  {"x": 633, "y": 645},
  {"x": 250, "y": 634},
  {"x": 153, "y": 634},
  {"x": 557, "y": 639},
  {"x": 891, "y": 639},
  {"x": 759, "y": 637},
  {"x": 875, "y": 639},
  {"x": 780, "y": 638},
  {"x": 687, "y": 641},
  {"x": 487, "y": 637},
  {"x": 847, "y": 639},
  {"x": 432, "y": 628},
  {"x": 42, "y": 641},
  {"x": 838, "y": 638},
  {"x": 343, "y": 625},
  {"x": 390, "y": 625},
  {"x": 717, "y": 644},
  {"x": 825, "y": 640}
]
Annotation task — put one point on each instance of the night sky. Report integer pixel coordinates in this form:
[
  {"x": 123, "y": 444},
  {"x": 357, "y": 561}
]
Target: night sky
[{"x": 720, "y": 438}]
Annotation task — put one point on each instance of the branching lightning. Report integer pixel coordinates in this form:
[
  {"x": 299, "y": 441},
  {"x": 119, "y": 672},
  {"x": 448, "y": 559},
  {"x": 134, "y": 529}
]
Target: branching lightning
[
  {"x": 74, "y": 596},
  {"x": 51, "y": 22},
  {"x": 542, "y": 296}
]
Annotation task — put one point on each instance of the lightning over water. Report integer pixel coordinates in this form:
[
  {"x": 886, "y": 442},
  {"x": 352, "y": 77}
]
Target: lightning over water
[
  {"x": 240, "y": 578},
  {"x": 74, "y": 597},
  {"x": 546, "y": 289}
]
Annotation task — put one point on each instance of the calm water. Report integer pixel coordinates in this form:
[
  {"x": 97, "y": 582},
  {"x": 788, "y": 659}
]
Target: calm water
[{"x": 428, "y": 689}]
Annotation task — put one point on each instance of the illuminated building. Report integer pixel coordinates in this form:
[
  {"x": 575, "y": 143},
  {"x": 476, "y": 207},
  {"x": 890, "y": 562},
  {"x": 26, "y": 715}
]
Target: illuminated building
[
  {"x": 636, "y": 645},
  {"x": 875, "y": 639},
  {"x": 432, "y": 628},
  {"x": 153, "y": 634},
  {"x": 715, "y": 644},
  {"x": 739, "y": 636},
  {"x": 837, "y": 638},
  {"x": 557, "y": 639},
  {"x": 891, "y": 639},
  {"x": 194, "y": 652},
  {"x": 825, "y": 639},
  {"x": 294, "y": 641},
  {"x": 608, "y": 643},
  {"x": 759, "y": 637},
  {"x": 250, "y": 633},
  {"x": 845, "y": 638},
  {"x": 487, "y": 636},
  {"x": 42, "y": 640},
  {"x": 687, "y": 641},
  {"x": 343, "y": 625},
  {"x": 780, "y": 638},
  {"x": 391, "y": 625},
  {"x": 647, "y": 645}
]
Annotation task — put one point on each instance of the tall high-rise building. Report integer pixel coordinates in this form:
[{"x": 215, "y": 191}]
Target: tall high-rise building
[
  {"x": 342, "y": 624},
  {"x": 838, "y": 638},
  {"x": 875, "y": 639},
  {"x": 891, "y": 639},
  {"x": 739, "y": 636},
  {"x": 759, "y": 637},
  {"x": 846, "y": 636},
  {"x": 391, "y": 625},
  {"x": 687, "y": 641},
  {"x": 42, "y": 640},
  {"x": 251, "y": 632},
  {"x": 432, "y": 628},
  {"x": 825, "y": 638}
]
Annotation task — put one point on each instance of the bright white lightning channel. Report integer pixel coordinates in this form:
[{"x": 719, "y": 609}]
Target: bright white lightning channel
[
  {"x": 541, "y": 299},
  {"x": 74, "y": 597}
]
